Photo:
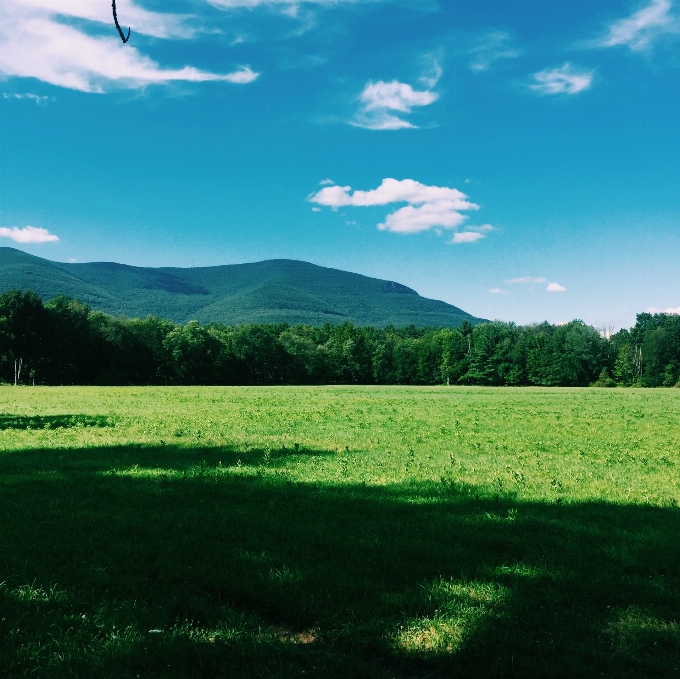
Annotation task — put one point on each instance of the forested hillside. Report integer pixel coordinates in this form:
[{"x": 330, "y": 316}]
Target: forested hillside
[
  {"x": 275, "y": 291},
  {"x": 65, "y": 342}
]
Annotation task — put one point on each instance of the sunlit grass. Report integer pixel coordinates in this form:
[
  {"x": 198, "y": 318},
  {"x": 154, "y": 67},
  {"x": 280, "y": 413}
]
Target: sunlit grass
[
  {"x": 457, "y": 607},
  {"x": 539, "y": 444}
]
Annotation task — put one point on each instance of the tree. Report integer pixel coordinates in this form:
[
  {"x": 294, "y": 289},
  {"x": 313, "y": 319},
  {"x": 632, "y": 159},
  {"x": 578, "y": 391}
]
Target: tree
[
  {"x": 305, "y": 362},
  {"x": 626, "y": 366},
  {"x": 261, "y": 358},
  {"x": 491, "y": 356},
  {"x": 194, "y": 352},
  {"x": 69, "y": 354},
  {"x": 430, "y": 354},
  {"x": 569, "y": 355},
  {"x": 455, "y": 354},
  {"x": 655, "y": 340},
  {"x": 384, "y": 371},
  {"x": 656, "y": 355},
  {"x": 24, "y": 331},
  {"x": 349, "y": 355}
]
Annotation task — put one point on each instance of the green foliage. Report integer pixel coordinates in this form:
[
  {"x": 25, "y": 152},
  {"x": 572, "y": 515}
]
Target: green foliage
[
  {"x": 605, "y": 379},
  {"x": 65, "y": 342},
  {"x": 491, "y": 357},
  {"x": 626, "y": 371},
  {"x": 194, "y": 353},
  {"x": 23, "y": 325},
  {"x": 373, "y": 532},
  {"x": 566, "y": 355}
]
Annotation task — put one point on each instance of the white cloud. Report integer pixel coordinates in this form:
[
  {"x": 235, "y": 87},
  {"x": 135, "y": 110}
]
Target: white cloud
[
  {"x": 667, "y": 310},
  {"x": 36, "y": 43},
  {"x": 326, "y": 182},
  {"x": 642, "y": 28},
  {"x": 490, "y": 48},
  {"x": 473, "y": 234},
  {"x": 37, "y": 98},
  {"x": 467, "y": 237},
  {"x": 243, "y": 76},
  {"x": 498, "y": 291},
  {"x": 411, "y": 219},
  {"x": 382, "y": 101},
  {"x": 562, "y": 80},
  {"x": 391, "y": 191},
  {"x": 527, "y": 279},
  {"x": 530, "y": 280},
  {"x": 156, "y": 24},
  {"x": 316, "y": 209},
  {"x": 427, "y": 206},
  {"x": 29, "y": 234}
]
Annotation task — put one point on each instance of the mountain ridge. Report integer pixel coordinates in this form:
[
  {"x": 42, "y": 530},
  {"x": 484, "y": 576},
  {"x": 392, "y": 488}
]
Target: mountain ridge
[{"x": 270, "y": 291}]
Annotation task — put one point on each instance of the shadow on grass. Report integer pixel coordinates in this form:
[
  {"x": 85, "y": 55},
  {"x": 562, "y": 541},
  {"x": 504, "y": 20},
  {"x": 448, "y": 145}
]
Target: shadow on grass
[
  {"x": 220, "y": 574},
  {"x": 53, "y": 421},
  {"x": 176, "y": 456}
]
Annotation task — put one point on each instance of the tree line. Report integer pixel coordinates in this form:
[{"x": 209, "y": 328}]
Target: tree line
[{"x": 64, "y": 341}]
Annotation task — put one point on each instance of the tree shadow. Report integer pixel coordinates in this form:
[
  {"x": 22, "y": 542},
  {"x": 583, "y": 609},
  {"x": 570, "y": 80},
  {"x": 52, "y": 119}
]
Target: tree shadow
[
  {"x": 176, "y": 456},
  {"x": 197, "y": 570},
  {"x": 54, "y": 421}
]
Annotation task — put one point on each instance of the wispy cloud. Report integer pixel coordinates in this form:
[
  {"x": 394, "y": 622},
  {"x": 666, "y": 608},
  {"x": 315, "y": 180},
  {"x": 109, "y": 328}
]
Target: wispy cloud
[
  {"x": 142, "y": 21},
  {"x": 498, "y": 291},
  {"x": 526, "y": 279},
  {"x": 29, "y": 234},
  {"x": 562, "y": 80},
  {"x": 533, "y": 280},
  {"x": 37, "y": 98},
  {"x": 640, "y": 30},
  {"x": 289, "y": 6},
  {"x": 667, "y": 310},
  {"x": 37, "y": 42},
  {"x": 490, "y": 48},
  {"x": 472, "y": 234},
  {"x": 434, "y": 72},
  {"x": 242, "y": 76},
  {"x": 385, "y": 105},
  {"x": 467, "y": 237},
  {"x": 427, "y": 207}
]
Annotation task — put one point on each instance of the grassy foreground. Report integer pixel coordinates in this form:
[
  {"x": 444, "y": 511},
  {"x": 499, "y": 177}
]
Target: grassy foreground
[{"x": 339, "y": 532}]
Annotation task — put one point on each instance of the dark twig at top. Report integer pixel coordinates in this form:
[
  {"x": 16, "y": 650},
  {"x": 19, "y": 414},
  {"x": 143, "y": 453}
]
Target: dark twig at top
[{"x": 123, "y": 37}]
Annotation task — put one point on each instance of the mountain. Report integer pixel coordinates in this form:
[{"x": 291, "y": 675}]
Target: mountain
[{"x": 274, "y": 291}]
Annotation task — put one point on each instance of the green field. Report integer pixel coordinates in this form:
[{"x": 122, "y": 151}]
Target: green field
[{"x": 339, "y": 532}]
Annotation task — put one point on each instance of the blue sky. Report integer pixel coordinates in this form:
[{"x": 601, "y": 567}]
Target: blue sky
[{"x": 519, "y": 159}]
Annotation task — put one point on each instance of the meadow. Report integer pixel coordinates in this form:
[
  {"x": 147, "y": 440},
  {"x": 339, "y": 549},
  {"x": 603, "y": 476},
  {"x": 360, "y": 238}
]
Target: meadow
[{"x": 377, "y": 532}]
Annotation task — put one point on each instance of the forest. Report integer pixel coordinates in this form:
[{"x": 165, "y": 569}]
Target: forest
[{"x": 65, "y": 342}]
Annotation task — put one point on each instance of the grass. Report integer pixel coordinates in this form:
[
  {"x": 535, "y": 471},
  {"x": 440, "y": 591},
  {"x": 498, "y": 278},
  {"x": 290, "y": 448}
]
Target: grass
[{"x": 346, "y": 532}]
